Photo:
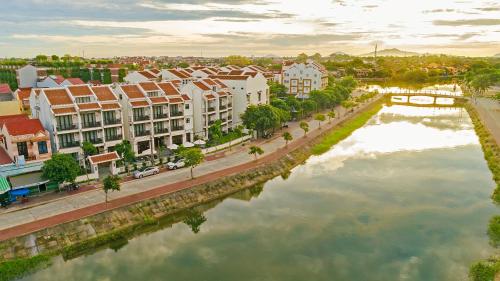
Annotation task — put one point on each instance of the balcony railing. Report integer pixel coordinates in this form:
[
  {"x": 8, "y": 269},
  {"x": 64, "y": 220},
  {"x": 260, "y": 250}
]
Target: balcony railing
[
  {"x": 66, "y": 128},
  {"x": 141, "y": 118},
  {"x": 91, "y": 125},
  {"x": 161, "y": 116},
  {"x": 112, "y": 121},
  {"x": 142, "y": 133},
  {"x": 69, "y": 144},
  {"x": 114, "y": 138},
  {"x": 95, "y": 141},
  {"x": 176, "y": 113},
  {"x": 177, "y": 128},
  {"x": 161, "y": 130}
]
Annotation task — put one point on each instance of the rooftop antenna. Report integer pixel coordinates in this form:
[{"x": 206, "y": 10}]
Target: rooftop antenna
[{"x": 376, "y": 46}]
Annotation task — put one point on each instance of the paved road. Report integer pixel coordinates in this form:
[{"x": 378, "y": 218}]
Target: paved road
[
  {"x": 91, "y": 202},
  {"x": 489, "y": 110}
]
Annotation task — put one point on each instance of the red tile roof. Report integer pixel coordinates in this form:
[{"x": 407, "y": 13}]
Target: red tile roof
[
  {"x": 158, "y": 100},
  {"x": 222, "y": 85},
  {"x": 149, "y": 86},
  {"x": 5, "y": 89},
  {"x": 23, "y": 93},
  {"x": 235, "y": 72},
  {"x": 185, "y": 97},
  {"x": 210, "y": 97},
  {"x": 147, "y": 74},
  {"x": 24, "y": 127},
  {"x": 57, "y": 96},
  {"x": 105, "y": 157},
  {"x": 110, "y": 106},
  {"x": 75, "y": 81},
  {"x": 229, "y": 77},
  {"x": 139, "y": 103},
  {"x": 175, "y": 100},
  {"x": 201, "y": 86},
  {"x": 154, "y": 70},
  {"x": 210, "y": 82},
  {"x": 104, "y": 93},
  {"x": 64, "y": 110},
  {"x": 80, "y": 90},
  {"x": 132, "y": 91},
  {"x": 89, "y": 106},
  {"x": 169, "y": 89},
  {"x": 182, "y": 75},
  {"x": 59, "y": 79},
  {"x": 12, "y": 118}
]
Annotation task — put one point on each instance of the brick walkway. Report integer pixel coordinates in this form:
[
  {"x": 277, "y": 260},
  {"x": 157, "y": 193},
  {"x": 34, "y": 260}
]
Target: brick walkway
[{"x": 91, "y": 202}]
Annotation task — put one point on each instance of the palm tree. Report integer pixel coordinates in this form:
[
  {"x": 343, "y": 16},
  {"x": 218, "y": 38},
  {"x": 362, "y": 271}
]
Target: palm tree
[
  {"x": 304, "y": 126},
  {"x": 319, "y": 117},
  {"x": 288, "y": 137},
  {"x": 255, "y": 150},
  {"x": 331, "y": 115}
]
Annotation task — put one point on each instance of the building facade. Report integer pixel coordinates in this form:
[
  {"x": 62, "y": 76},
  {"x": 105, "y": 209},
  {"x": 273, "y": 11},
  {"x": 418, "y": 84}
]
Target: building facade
[{"x": 302, "y": 78}]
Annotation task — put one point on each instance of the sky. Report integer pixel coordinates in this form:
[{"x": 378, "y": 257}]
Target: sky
[{"x": 108, "y": 28}]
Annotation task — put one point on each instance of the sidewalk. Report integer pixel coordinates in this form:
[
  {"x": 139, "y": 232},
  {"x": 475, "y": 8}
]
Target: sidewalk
[
  {"x": 90, "y": 202},
  {"x": 489, "y": 110}
]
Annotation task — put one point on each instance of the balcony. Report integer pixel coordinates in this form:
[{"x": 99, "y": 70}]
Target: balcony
[
  {"x": 229, "y": 105},
  {"x": 114, "y": 138},
  {"x": 222, "y": 107},
  {"x": 210, "y": 109},
  {"x": 141, "y": 118},
  {"x": 161, "y": 116},
  {"x": 66, "y": 128},
  {"x": 176, "y": 113},
  {"x": 177, "y": 128},
  {"x": 91, "y": 125},
  {"x": 70, "y": 144},
  {"x": 112, "y": 121},
  {"x": 161, "y": 130},
  {"x": 95, "y": 141},
  {"x": 142, "y": 133}
]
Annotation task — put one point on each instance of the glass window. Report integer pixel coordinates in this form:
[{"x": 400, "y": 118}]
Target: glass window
[{"x": 42, "y": 147}]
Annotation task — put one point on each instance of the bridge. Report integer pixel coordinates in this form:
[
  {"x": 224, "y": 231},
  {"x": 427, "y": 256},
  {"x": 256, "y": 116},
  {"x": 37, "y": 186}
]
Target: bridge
[{"x": 424, "y": 93}]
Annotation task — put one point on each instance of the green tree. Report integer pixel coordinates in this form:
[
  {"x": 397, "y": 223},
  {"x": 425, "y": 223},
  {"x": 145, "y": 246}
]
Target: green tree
[
  {"x": 237, "y": 60},
  {"x": 183, "y": 65},
  {"x": 194, "y": 220},
  {"x": 261, "y": 118},
  {"x": 85, "y": 74},
  {"x": 215, "y": 132},
  {"x": 106, "y": 76},
  {"x": 121, "y": 74},
  {"x": 304, "y": 126},
  {"x": 96, "y": 74},
  {"x": 40, "y": 59},
  {"x": 331, "y": 115},
  {"x": 126, "y": 153},
  {"x": 320, "y": 118},
  {"x": 316, "y": 57},
  {"x": 287, "y": 137},
  {"x": 192, "y": 157},
  {"x": 277, "y": 89},
  {"x": 60, "y": 168},
  {"x": 302, "y": 58},
  {"x": 255, "y": 150},
  {"x": 55, "y": 58},
  {"x": 309, "y": 106},
  {"x": 111, "y": 183}
]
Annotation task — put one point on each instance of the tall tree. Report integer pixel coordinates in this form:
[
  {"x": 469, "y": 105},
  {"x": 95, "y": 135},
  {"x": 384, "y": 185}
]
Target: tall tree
[
  {"x": 302, "y": 57},
  {"x": 60, "y": 168},
  {"x": 305, "y": 127},
  {"x": 192, "y": 158},
  {"x": 320, "y": 118},
  {"x": 126, "y": 153},
  {"x": 256, "y": 150},
  {"x": 287, "y": 137},
  {"x": 237, "y": 60},
  {"x": 111, "y": 183}
]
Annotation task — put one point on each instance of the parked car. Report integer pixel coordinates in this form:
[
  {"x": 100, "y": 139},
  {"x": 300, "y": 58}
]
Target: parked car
[
  {"x": 179, "y": 163},
  {"x": 147, "y": 171}
]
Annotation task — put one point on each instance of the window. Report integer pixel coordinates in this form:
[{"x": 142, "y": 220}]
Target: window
[
  {"x": 139, "y": 130},
  {"x": 90, "y": 136},
  {"x": 64, "y": 122},
  {"x": 138, "y": 113},
  {"x": 186, "y": 106},
  {"x": 66, "y": 140},
  {"x": 141, "y": 146},
  {"x": 188, "y": 120},
  {"x": 22, "y": 149},
  {"x": 42, "y": 147},
  {"x": 260, "y": 95},
  {"x": 88, "y": 119},
  {"x": 111, "y": 134}
]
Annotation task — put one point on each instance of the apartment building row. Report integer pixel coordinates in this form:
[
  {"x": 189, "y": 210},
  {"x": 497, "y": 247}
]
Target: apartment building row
[{"x": 302, "y": 78}]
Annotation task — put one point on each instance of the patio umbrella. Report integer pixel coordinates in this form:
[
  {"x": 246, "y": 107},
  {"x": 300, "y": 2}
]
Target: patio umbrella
[
  {"x": 188, "y": 144},
  {"x": 173, "y": 146},
  {"x": 200, "y": 142}
]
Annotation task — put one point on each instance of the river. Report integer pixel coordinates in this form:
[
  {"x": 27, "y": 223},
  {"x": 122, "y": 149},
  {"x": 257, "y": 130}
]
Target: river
[{"x": 406, "y": 197}]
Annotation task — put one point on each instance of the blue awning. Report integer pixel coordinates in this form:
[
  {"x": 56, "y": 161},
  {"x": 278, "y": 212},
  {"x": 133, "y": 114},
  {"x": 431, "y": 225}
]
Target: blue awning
[{"x": 19, "y": 192}]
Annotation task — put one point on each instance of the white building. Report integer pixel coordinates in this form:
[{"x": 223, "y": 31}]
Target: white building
[
  {"x": 211, "y": 101},
  {"x": 142, "y": 76},
  {"x": 302, "y": 78},
  {"x": 77, "y": 114},
  {"x": 246, "y": 90},
  {"x": 155, "y": 118}
]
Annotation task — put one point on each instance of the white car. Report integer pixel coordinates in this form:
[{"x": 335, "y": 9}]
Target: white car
[
  {"x": 144, "y": 172},
  {"x": 176, "y": 164}
]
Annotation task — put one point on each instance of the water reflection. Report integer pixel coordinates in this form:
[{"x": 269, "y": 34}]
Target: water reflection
[{"x": 406, "y": 197}]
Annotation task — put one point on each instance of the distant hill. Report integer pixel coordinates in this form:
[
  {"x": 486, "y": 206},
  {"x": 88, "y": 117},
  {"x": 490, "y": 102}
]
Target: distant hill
[
  {"x": 497, "y": 56},
  {"x": 391, "y": 52},
  {"x": 339, "y": 54}
]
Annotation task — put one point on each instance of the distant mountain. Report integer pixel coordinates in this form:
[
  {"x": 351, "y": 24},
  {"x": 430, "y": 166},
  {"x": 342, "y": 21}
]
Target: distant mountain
[
  {"x": 391, "y": 52},
  {"x": 339, "y": 54},
  {"x": 497, "y": 55}
]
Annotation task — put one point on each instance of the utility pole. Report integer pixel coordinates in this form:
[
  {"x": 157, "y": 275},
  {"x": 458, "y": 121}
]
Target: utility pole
[{"x": 376, "y": 45}]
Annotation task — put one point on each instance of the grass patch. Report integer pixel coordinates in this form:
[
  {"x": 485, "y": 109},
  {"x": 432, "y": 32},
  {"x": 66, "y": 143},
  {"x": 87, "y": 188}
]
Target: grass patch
[
  {"x": 17, "y": 268},
  {"x": 484, "y": 270},
  {"x": 345, "y": 129},
  {"x": 494, "y": 231}
]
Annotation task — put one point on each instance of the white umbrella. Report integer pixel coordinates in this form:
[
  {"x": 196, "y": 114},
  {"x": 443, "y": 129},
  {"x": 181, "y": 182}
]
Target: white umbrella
[
  {"x": 173, "y": 146},
  {"x": 188, "y": 144},
  {"x": 199, "y": 142}
]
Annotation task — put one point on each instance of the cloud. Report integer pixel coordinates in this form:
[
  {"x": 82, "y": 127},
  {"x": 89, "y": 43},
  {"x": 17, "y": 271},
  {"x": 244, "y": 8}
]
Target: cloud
[{"x": 468, "y": 22}]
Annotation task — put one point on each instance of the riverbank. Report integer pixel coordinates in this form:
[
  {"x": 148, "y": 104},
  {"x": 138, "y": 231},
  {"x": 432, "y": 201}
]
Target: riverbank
[
  {"x": 488, "y": 269},
  {"x": 73, "y": 237}
]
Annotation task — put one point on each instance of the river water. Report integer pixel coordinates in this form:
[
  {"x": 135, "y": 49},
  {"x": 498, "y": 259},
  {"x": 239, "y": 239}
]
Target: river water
[{"x": 406, "y": 197}]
